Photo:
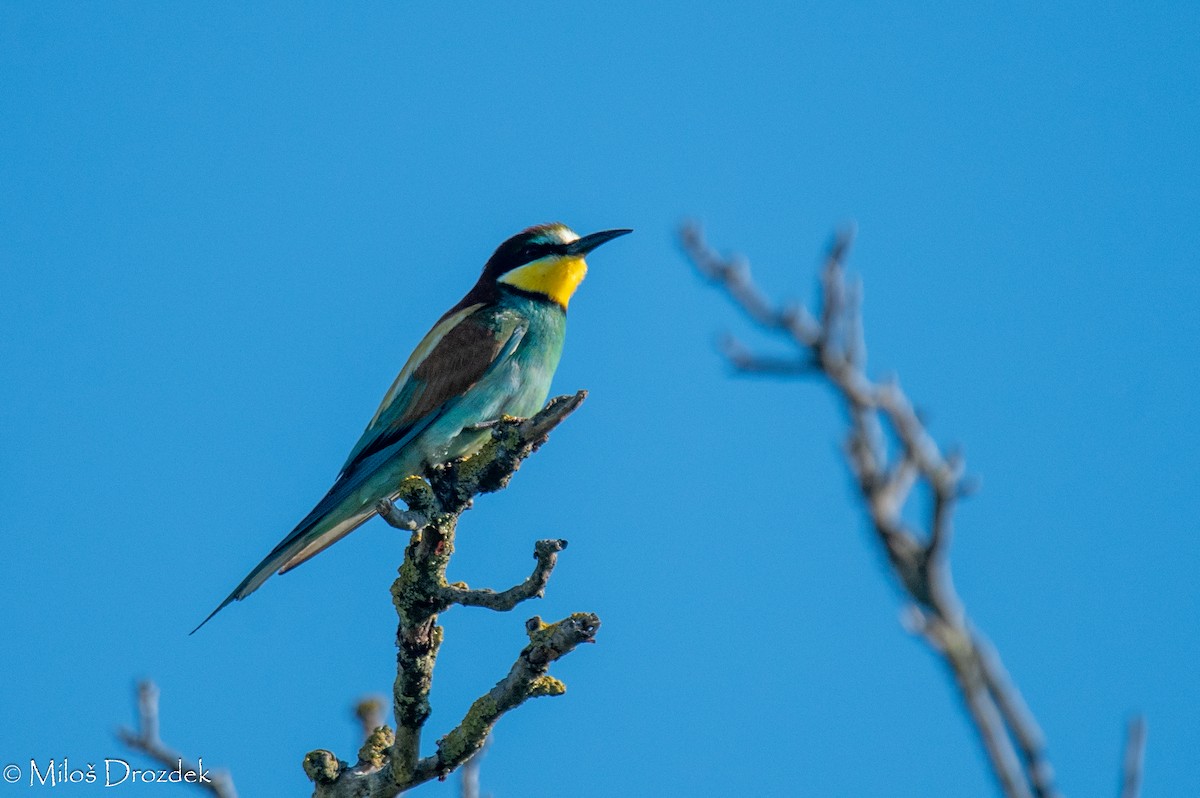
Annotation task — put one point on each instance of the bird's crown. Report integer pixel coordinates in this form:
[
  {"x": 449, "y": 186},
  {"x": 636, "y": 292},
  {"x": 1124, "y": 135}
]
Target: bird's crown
[{"x": 529, "y": 245}]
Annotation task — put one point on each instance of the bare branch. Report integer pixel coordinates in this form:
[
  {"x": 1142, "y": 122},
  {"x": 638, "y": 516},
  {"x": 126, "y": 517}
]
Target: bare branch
[
  {"x": 834, "y": 346},
  {"x": 527, "y": 679},
  {"x": 1134, "y": 758},
  {"x": 748, "y": 362},
  {"x": 469, "y": 773},
  {"x": 1018, "y": 719},
  {"x": 145, "y": 739},
  {"x": 546, "y": 553},
  {"x": 733, "y": 274},
  {"x": 391, "y": 762},
  {"x": 369, "y": 711}
]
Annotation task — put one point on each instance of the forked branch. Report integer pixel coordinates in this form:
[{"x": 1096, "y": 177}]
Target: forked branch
[
  {"x": 390, "y": 762},
  {"x": 890, "y": 452},
  {"x": 145, "y": 739}
]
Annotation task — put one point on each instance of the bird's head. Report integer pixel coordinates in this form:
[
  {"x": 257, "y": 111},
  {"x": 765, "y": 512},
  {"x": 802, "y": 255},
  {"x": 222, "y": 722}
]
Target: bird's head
[{"x": 545, "y": 261}]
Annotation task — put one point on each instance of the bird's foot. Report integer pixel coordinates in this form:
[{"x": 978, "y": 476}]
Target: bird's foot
[
  {"x": 400, "y": 519},
  {"x": 482, "y": 425}
]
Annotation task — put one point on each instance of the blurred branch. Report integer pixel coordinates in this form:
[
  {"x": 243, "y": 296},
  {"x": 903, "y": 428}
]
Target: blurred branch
[
  {"x": 369, "y": 712},
  {"x": 469, "y": 786},
  {"x": 145, "y": 740},
  {"x": 1135, "y": 756},
  {"x": 390, "y": 762},
  {"x": 890, "y": 452}
]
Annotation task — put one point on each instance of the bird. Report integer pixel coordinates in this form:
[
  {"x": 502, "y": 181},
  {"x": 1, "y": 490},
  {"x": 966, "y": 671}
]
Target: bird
[{"x": 491, "y": 355}]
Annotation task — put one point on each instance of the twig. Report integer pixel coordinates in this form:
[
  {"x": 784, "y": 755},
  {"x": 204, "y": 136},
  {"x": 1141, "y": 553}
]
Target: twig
[
  {"x": 391, "y": 762},
  {"x": 546, "y": 554},
  {"x": 369, "y": 711},
  {"x": 527, "y": 679},
  {"x": 469, "y": 774},
  {"x": 145, "y": 739},
  {"x": 833, "y": 347},
  {"x": 1134, "y": 758}
]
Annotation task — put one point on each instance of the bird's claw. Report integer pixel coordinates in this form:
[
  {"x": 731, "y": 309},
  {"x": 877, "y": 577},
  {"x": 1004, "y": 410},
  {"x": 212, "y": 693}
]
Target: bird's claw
[
  {"x": 400, "y": 519},
  {"x": 493, "y": 423}
]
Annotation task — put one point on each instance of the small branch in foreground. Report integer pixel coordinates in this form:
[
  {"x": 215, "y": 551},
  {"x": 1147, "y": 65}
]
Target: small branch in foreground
[
  {"x": 469, "y": 775},
  {"x": 369, "y": 712},
  {"x": 831, "y": 345},
  {"x": 1134, "y": 758},
  {"x": 145, "y": 739},
  {"x": 391, "y": 762}
]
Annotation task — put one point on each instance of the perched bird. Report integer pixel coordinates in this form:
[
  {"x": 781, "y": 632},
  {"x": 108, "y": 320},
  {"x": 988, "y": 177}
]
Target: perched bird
[{"x": 493, "y": 354}]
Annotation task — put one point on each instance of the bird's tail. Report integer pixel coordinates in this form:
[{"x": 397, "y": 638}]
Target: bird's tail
[{"x": 323, "y": 527}]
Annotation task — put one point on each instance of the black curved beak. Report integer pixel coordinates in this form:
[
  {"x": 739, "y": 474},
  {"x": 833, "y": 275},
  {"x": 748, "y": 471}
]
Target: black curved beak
[{"x": 586, "y": 244}]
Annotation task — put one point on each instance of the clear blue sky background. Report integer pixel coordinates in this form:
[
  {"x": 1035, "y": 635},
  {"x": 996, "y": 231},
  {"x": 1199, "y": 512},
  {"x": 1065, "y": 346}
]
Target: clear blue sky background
[{"x": 223, "y": 228}]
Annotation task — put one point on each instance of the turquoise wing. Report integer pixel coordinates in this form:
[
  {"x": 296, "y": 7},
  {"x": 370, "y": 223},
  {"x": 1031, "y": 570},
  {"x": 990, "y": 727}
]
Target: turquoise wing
[{"x": 452, "y": 358}]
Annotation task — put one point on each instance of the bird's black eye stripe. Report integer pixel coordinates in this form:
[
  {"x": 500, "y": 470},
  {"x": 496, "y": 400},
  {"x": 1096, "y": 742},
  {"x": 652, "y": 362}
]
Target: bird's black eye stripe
[{"x": 531, "y": 252}]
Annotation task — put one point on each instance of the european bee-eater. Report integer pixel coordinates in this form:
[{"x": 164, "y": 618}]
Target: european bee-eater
[{"x": 493, "y": 354}]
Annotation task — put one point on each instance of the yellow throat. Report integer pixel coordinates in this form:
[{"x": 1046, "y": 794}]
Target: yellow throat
[{"x": 555, "y": 277}]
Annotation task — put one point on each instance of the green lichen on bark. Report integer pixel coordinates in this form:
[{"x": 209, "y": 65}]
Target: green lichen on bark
[
  {"x": 546, "y": 685},
  {"x": 417, "y": 494},
  {"x": 469, "y": 736},
  {"x": 549, "y": 641},
  {"x": 390, "y": 762},
  {"x": 375, "y": 750},
  {"x": 416, "y": 595},
  {"x": 322, "y": 767}
]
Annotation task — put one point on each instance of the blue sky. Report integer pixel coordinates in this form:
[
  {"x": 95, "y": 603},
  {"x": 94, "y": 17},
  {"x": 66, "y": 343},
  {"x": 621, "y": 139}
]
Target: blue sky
[{"x": 223, "y": 228}]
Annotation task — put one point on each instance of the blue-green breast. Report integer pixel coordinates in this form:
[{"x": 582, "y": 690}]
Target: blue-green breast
[{"x": 537, "y": 356}]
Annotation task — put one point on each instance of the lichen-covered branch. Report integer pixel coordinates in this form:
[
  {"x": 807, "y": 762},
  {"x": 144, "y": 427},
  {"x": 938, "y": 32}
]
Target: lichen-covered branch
[
  {"x": 546, "y": 554},
  {"x": 391, "y": 762},
  {"x": 890, "y": 452},
  {"x": 145, "y": 739},
  {"x": 527, "y": 679}
]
